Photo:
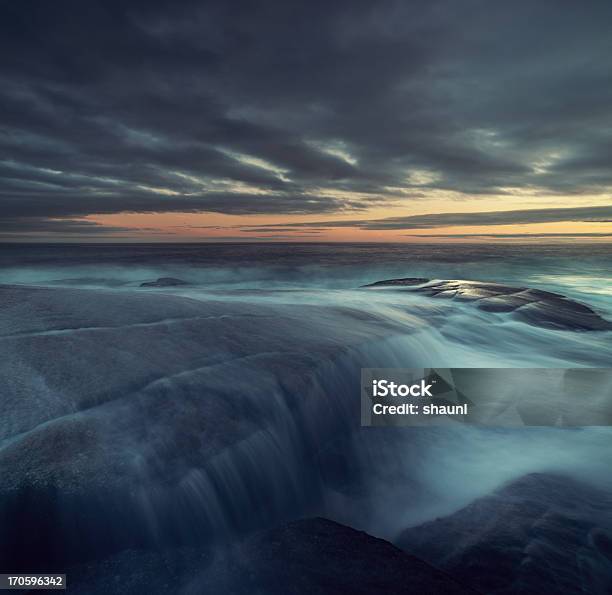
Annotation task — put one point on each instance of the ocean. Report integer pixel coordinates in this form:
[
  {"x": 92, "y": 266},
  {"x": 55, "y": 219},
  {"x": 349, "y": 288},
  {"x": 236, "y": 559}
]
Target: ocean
[
  {"x": 311, "y": 274},
  {"x": 226, "y": 401}
]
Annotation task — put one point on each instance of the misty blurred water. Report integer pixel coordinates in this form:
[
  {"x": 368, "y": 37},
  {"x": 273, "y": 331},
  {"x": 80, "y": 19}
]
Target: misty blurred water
[
  {"x": 301, "y": 460},
  {"x": 577, "y": 269}
]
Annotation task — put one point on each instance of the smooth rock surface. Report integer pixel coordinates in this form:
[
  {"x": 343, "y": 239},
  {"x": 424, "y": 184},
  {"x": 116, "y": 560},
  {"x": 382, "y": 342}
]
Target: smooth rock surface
[
  {"x": 538, "y": 534},
  {"x": 533, "y": 306},
  {"x": 306, "y": 557},
  {"x": 164, "y": 282},
  {"x": 131, "y": 418}
]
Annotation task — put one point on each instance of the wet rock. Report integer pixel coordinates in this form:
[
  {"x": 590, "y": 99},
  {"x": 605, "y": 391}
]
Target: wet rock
[
  {"x": 407, "y": 281},
  {"x": 306, "y": 557},
  {"x": 540, "y": 533},
  {"x": 164, "y": 282},
  {"x": 131, "y": 418},
  {"x": 533, "y": 306},
  {"x": 318, "y": 556}
]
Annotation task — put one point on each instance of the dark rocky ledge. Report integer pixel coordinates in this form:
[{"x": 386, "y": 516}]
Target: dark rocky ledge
[
  {"x": 533, "y": 306},
  {"x": 306, "y": 557},
  {"x": 320, "y": 557},
  {"x": 164, "y": 282},
  {"x": 541, "y": 533}
]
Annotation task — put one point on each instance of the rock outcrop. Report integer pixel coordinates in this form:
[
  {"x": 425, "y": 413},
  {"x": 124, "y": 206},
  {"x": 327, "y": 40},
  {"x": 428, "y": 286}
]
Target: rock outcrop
[
  {"x": 306, "y": 557},
  {"x": 533, "y": 306},
  {"x": 131, "y": 418},
  {"x": 539, "y": 534},
  {"x": 164, "y": 282}
]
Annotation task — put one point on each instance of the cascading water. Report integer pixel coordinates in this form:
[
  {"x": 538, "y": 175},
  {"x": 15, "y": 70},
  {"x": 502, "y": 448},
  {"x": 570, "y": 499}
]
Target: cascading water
[{"x": 189, "y": 416}]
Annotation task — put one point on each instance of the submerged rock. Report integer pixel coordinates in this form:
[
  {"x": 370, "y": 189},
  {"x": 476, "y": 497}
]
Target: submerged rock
[
  {"x": 533, "y": 306},
  {"x": 539, "y": 534},
  {"x": 164, "y": 282}
]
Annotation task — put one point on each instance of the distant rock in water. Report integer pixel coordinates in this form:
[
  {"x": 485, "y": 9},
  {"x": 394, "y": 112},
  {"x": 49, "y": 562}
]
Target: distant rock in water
[
  {"x": 539, "y": 534},
  {"x": 407, "y": 281},
  {"x": 164, "y": 282},
  {"x": 533, "y": 306}
]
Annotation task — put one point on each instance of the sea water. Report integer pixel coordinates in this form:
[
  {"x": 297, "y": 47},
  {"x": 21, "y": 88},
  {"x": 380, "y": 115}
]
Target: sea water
[{"x": 379, "y": 479}]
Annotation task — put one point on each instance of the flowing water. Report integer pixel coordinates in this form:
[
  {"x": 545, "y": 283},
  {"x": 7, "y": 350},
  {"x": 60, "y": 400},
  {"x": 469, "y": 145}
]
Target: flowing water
[{"x": 316, "y": 329}]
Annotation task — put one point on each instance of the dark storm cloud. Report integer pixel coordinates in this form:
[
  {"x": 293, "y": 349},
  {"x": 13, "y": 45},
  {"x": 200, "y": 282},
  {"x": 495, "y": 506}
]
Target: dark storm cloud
[
  {"x": 602, "y": 214},
  {"x": 281, "y": 107},
  {"x": 53, "y": 226},
  {"x": 293, "y": 230},
  {"x": 517, "y": 236},
  {"x": 81, "y": 202}
]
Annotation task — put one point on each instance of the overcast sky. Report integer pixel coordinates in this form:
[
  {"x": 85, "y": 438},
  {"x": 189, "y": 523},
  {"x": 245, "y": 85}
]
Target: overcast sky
[{"x": 186, "y": 120}]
